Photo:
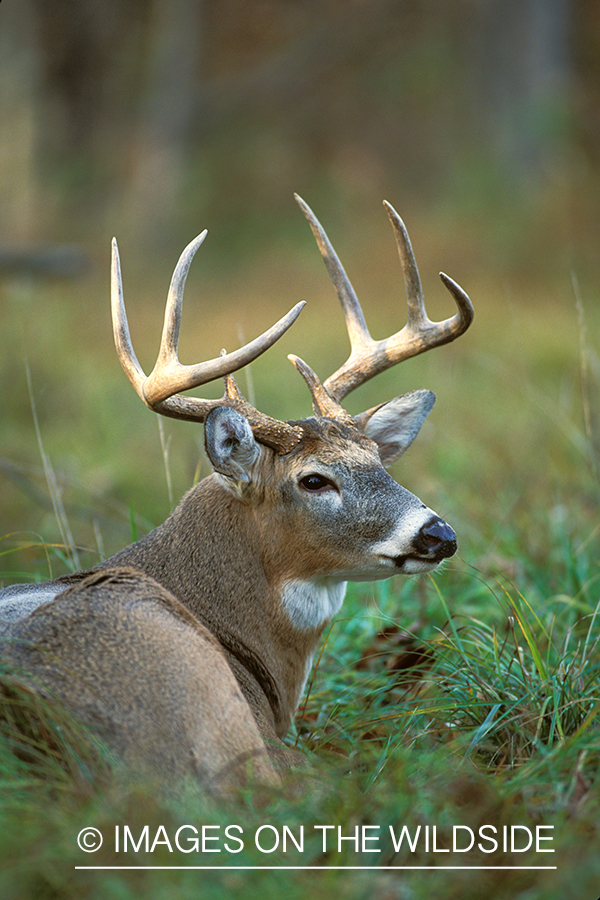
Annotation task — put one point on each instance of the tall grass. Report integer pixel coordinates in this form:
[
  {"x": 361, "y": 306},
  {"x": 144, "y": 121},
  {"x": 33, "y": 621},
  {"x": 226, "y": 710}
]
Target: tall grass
[{"x": 495, "y": 722}]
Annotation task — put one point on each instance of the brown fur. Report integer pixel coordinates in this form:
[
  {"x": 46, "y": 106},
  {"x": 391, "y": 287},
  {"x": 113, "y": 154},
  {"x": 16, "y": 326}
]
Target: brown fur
[{"x": 134, "y": 627}]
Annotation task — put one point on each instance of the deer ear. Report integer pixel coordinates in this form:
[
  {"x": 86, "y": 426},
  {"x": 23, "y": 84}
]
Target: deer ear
[
  {"x": 394, "y": 425},
  {"x": 230, "y": 443}
]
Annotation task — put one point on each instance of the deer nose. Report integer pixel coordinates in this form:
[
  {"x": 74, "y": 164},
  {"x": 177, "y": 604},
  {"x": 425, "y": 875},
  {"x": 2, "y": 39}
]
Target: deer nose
[{"x": 436, "y": 539}]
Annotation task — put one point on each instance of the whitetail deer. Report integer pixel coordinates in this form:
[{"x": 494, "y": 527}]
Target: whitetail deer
[{"x": 189, "y": 650}]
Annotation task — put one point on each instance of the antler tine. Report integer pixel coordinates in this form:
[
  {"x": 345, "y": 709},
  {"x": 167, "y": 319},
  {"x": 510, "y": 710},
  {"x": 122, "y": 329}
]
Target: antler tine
[
  {"x": 125, "y": 350},
  {"x": 169, "y": 342},
  {"x": 417, "y": 316},
  {"x": 463, "y": 318},
  {"x": 323, "y": 403},
  {"x": 353, "y": 314},
  {"x": 415, "y": 301},
  {"x": 369, "y": 357}
]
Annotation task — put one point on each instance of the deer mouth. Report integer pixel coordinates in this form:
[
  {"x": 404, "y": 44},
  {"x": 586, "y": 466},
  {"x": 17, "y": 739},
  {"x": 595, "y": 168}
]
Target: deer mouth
[{"x": 413, "y": 565}]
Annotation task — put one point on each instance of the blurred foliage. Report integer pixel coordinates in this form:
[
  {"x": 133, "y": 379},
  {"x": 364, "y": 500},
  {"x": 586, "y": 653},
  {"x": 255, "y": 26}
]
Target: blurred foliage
[
  {"x": 148, "y": 116},
  {"x": 151, "y": 120}
]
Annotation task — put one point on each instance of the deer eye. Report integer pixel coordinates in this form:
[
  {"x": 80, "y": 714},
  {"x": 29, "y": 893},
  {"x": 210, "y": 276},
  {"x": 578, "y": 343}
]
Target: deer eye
[{"x": 316, "y": 484}]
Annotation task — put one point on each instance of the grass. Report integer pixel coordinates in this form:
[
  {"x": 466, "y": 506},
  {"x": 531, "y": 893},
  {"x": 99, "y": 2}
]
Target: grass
[
  {"x": 496, "y": 724},
  {"x": 469, "y": 698},
  {"x": 501, "y": 692}
]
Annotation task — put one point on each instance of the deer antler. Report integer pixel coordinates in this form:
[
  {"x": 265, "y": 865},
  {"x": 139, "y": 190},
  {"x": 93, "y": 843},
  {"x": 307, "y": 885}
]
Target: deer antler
[
  {"x": 369, "y": 357},
  {"x": 160, "y": 390}
]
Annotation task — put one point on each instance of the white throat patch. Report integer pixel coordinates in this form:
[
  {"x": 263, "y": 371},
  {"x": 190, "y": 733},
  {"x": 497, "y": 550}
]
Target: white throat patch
[{"x": 310, "y": 604}]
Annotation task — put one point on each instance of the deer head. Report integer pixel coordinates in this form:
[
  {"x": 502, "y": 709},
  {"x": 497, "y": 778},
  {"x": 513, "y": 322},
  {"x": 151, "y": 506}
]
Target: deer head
[{"x": 319, "y": 457}]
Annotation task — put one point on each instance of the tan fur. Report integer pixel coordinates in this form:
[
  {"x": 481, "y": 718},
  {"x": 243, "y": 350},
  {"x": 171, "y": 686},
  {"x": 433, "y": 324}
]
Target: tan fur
[{"x": 124, "y": 671}]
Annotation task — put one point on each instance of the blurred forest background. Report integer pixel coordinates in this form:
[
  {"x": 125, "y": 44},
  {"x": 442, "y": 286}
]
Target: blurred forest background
[{"x": 479, "y": 120}]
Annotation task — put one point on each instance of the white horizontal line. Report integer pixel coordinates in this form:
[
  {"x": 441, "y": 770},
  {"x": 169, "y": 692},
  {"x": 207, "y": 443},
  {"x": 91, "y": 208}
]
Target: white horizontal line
[{"x": 325, "y": 868}]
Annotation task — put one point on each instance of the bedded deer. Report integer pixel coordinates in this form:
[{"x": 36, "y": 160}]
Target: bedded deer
[{"x": 189, "y": 650}]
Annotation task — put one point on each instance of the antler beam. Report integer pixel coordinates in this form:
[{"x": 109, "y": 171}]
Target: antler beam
[
  {"x": 161, "y": 389},
  {"x": 369, "y": 357}
]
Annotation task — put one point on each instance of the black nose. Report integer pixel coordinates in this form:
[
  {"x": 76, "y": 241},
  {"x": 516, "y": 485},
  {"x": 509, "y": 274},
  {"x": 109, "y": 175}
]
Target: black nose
[{"x": 436, "y": 540}]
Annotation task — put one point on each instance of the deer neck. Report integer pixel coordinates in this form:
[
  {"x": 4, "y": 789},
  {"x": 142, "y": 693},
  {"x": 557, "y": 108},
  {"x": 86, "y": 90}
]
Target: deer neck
[{"x": 209, "y": 554}]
